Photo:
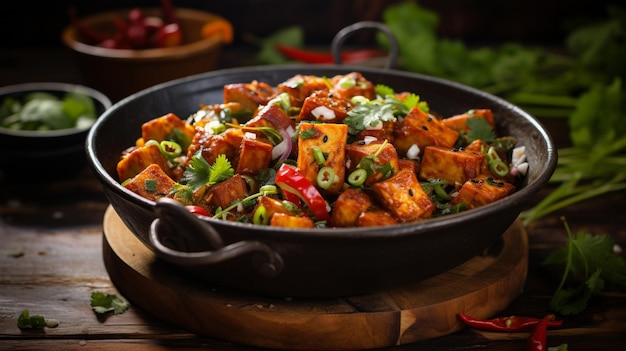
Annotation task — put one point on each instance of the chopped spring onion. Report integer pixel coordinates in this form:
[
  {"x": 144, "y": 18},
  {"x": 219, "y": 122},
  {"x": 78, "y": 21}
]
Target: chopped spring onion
[
  {"x": 357, "y": 177},
  {"x": 496, "y": 165},
  {"x": 325, "y": 177},
  {"x": 318, "y": 155},
  {"x": 260, "y": 216}
]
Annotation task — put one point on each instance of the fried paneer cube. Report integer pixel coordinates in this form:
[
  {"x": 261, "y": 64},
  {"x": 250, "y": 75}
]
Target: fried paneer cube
[
  {"x": 139, "y": 159},
  {"x": 225, "y": 193},
  {"x": 254, "y": 156},
  {"x": 352, "y": 84},
  {"x": 151, "y": 183},
  {"x": 386, "y": 159},
  {"x": 455, "y": 166},
  {"x": 375, "y": 217},
  {"x": 459, "y": 122},
  {"x": 249, "y": 95},
  {"x": 421, "y": 129},
  {"x": 300, "y": 86},
  {"x": 349, "y": 205},
  {"x": 168, "y": 127},
  {"x": 482, "y": 190},
  {"x": 270, "y": 115},
  {"x": 403, "y": 196},
  {"x": 329, "y": 139},
  {"x": 324, "y": 107},
  {"x": 290, "y": 221}
]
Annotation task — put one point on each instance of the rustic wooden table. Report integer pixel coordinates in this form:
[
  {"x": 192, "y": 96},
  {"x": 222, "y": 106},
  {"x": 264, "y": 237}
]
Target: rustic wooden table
[{"x": 51, "y": 260}]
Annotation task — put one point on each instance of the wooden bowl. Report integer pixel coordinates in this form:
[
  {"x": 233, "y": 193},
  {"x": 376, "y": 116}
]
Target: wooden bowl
[{"x": 122, "y": 72}]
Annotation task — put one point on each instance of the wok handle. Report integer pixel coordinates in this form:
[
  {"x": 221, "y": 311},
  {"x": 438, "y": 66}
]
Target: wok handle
[
  {"x": 176, "y": 231},
  {"x": 346, "y": 32}
]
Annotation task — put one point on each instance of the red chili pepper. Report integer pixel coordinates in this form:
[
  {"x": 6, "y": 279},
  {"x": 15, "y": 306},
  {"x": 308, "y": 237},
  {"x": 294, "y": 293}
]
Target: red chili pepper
[
  {"x": 538, "y": 337},
  {"x": 289, "y": 179},
  {"x": 510, "y": 324},
  {"x": 197, "y": 210},
  {"x": 309, "y": 56}
]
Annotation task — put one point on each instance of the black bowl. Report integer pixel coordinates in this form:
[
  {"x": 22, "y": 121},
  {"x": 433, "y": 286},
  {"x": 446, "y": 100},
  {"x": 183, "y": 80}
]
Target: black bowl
[
  {"x": 313, "y": 262},
  {"x": 50, "y": 154}
]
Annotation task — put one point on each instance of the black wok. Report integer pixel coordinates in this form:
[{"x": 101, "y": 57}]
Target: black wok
[{"x": 314, "y": 262}]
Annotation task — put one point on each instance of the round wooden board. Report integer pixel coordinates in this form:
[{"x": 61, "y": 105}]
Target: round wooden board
[{"x": 481, "y": 287}]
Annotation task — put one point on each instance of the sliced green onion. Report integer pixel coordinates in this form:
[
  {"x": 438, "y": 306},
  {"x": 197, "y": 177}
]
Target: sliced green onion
[
  {"x": 170, "y": 149},
  {"x": 357, "y": 177},
  {"x": 290, "y": 206},
  {"x": 325, "y": 177},
  {"x": 268, "y": 190},
  {"x": 260, "y": 216},
  {"x": 150, "y": 185},
  {"x": 496, "y": 165},
  {"x": 441, "y": 192},
  {"x": 499, "y": 168},
  {"x": 359, "y": 100},
  {"x": 318, "y": 155},
  {"x": 347, "y": 83}
]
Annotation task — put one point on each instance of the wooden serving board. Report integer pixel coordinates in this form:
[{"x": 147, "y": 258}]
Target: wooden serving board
[{"x": 481, "y": 287}]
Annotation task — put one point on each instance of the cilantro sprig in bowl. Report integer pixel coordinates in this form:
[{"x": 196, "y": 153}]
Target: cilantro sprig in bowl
[{"x": 43, "y": 126}]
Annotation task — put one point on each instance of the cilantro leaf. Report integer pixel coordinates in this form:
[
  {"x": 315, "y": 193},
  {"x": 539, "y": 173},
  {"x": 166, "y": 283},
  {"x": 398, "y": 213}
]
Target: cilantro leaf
[
  {"x": 221, "y": 170},
  {"x": 102, "y": 303},
  {"x": 26, "y": 321},
  {"x": 590, "y": 263},
  {"x": 480, "y": 129},
  {"x": 200, "y": 173},
  {"x": 368, "y": 115}
]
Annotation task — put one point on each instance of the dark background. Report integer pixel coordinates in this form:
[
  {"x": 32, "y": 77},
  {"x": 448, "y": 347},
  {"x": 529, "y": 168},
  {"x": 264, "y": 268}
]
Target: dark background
[{"x": 39, "y": 24}]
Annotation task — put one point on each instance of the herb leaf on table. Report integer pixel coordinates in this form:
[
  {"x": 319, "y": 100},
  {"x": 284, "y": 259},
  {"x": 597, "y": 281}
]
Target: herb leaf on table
[{"x": 590, "y": 264}]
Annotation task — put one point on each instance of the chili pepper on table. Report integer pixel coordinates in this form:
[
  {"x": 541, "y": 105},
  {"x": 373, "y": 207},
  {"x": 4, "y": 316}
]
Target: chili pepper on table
[
  {"x": 289, "y": 179},
  {"x": 538, "y": 337},
  {"x": 510, "y": 324},
  {"x": 310, "y": 56}
]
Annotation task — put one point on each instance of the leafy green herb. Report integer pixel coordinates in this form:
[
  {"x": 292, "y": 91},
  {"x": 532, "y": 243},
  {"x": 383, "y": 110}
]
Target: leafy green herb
[
  {"x": 368, "y": 115},
  {"x": 102, "y": 302},
  {"x": 479, "y": 129},
  {"x": 26, "y": 321},
  {"x": 591, "y": 264},
  {"x": 45, "y": 111},
  {"x": 596, "y": 163},
  {"x": 200, "y": 173}
]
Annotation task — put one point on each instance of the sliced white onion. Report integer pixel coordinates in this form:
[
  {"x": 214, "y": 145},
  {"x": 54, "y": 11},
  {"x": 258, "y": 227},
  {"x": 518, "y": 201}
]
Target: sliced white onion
[
  {"x": 522, "y": 168},
  {"x": 413, "y": 152},
  {"x": 284, "y": 151},
  {"x": 323, "y": 113},
  {"x": 368, "y": 139},
  {"x": 279, "y": 149},
  {"x": 518, "y": 156},
  {"x": 249, "y": 135}
]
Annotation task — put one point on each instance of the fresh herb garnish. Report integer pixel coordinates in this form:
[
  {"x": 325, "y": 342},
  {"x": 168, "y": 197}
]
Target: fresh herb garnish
[
  {"x": 200, "y": 173},
  {"x": 26, "y": 321},
  {"x": 590, "y": 264},
  {"x": 102, "y": 302}
]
